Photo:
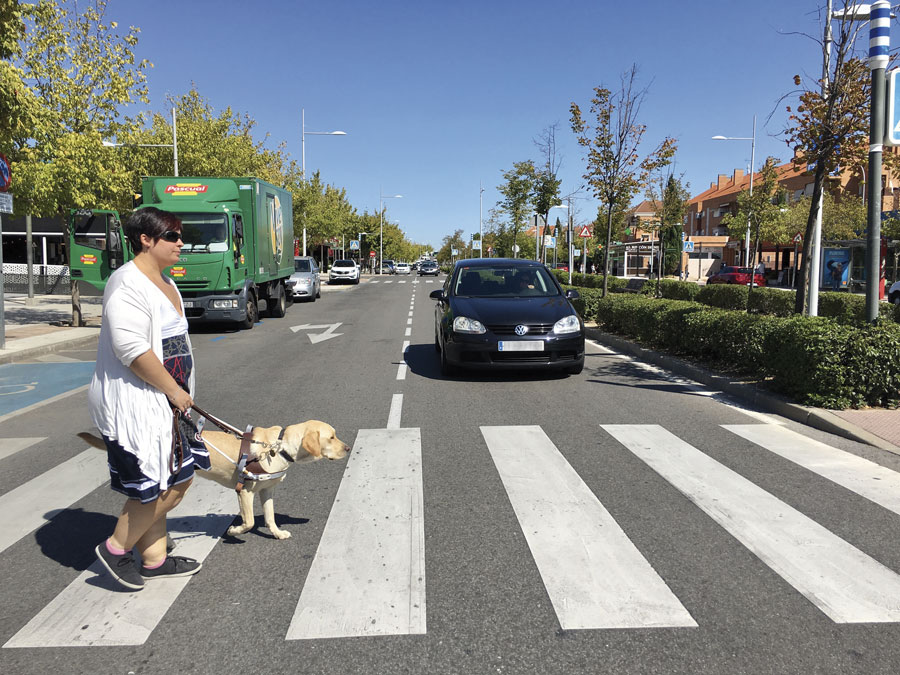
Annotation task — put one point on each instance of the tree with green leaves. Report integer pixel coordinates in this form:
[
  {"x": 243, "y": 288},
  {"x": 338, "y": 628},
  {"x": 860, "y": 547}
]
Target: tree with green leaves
[
  {"x": 615, "y": 173},
  {"x": 81, "y": 69},
  {"x": 518, "y": 193}
]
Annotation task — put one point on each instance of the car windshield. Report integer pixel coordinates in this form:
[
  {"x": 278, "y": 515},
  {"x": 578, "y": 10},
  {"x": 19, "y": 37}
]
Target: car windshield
[
  {"x": 504, "y": 281},
  {"x": 203, "y": 232},
  {"x": 301, "y": 266},
  {"x": 344, "y": 263}
]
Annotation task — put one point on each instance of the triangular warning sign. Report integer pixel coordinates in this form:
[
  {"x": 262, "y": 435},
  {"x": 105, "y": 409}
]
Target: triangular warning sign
[{"x": 585, "y": 232}]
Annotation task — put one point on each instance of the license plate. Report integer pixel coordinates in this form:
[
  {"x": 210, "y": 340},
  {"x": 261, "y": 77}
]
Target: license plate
[
  {"x": 521, "y": 346},
  {"x": 188, "y": 303}
]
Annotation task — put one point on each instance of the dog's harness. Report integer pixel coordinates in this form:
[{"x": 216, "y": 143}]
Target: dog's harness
[{"x": 248, "y": 465}]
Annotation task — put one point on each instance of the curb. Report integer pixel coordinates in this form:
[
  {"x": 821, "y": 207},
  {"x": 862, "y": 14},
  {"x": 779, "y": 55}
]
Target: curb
[
  {"x": 11, "y": 356},
  {"x": 817, "y": 418}
]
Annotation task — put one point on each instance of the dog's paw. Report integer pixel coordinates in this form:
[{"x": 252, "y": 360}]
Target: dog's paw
[
  {"x": 281, "y": 534},
  {"x": 235, "y": 530}
]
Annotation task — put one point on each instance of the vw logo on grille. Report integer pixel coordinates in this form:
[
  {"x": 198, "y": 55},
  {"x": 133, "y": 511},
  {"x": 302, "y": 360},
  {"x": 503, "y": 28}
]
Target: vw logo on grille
[{"x": 521, "y": 330}]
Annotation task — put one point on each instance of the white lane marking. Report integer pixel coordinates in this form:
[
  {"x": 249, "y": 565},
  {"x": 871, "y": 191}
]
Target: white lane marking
[
  {"x": 32, "y": 504},
  {"x": 41, "y": 404},
  {"x": 410, "y": 313},
  {"x": 695, "y": 387},
  {"x": 388, "y": 281},
  {"x": 93, "y": 611},
  {"x": 409, "y": 322},
  {"x": 396, "y": 410},
  {"x": 862, "y": 476},
  {"x": 402, "y": 281},
  {"x": 401, "y": 368},
  {"x": 839, "y": 579},
  {"x": 368, "y": 576},
  {"x": 375, "y": 281},
  {"x": 11, "y": 446},
  {"x": 594, "y": 575},
  {"x": 408, "y": 332}
]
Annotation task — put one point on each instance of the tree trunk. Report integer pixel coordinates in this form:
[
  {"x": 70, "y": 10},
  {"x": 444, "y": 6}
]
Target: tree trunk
[
  {"x": 803, "y": 281},
  {"x": 608, "y": 242}
]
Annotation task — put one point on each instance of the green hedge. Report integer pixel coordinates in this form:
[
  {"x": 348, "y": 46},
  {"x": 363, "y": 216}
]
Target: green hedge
[{"x": 815, "y": 360}]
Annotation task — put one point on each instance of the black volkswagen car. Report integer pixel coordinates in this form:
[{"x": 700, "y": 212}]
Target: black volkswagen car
[{"x": 506, "y": 313}]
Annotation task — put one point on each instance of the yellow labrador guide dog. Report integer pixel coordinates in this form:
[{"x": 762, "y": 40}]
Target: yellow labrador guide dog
[{"x": 275, "y": 449}]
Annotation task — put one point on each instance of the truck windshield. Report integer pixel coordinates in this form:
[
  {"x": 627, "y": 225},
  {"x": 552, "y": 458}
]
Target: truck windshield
[{"x": 204, "y": 232}]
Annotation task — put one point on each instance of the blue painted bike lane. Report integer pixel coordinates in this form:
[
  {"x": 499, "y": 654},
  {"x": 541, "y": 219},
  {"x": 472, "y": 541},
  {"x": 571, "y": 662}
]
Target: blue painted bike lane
[{"x": 24, "y": 384}]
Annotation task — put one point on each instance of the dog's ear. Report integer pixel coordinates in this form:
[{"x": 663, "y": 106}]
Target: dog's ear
[{"x": 311, "y": 443}]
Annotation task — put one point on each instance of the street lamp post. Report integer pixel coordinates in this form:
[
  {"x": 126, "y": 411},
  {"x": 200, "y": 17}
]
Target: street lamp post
[
  {"x": 381, "y": 199},
  {"x": 173, "y": 144},
  {"x": 752, "y": 169},
  {"x": 359, "y": 236},
  {"x": 303, "y": 134},
  {"x": 481, "y": 218}
]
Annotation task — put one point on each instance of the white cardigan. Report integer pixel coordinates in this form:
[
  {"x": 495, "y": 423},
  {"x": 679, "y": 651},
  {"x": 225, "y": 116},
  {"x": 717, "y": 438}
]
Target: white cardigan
[{"x": 124, "y": 407}]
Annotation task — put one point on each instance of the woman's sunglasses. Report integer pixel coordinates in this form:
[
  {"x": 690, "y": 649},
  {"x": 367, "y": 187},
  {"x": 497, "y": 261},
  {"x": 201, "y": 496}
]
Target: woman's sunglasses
[{"x": 170, "y": 236}]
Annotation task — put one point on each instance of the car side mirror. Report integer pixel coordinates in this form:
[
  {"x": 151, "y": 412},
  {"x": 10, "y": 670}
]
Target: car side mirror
[
  {"x": 572, "y": 294},
  {"x": 437, "y": 295}
]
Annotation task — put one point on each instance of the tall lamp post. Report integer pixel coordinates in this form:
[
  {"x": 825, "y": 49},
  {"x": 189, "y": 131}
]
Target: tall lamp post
[
  {"x": 173, "y": 144},
  {"x": 359, "y": 236},
  {"x": 381, "y": 199},
  {"x": 303, "y": 134},
  {"x": 752, "y": 170}
]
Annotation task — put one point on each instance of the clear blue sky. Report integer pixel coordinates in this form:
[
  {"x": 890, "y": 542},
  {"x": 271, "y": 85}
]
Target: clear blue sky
[{"x": 437, "y": 96}]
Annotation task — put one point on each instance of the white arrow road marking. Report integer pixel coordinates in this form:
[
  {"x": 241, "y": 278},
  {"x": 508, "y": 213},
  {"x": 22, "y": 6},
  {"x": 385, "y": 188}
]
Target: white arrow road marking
[{"x": 319, "y": 337}]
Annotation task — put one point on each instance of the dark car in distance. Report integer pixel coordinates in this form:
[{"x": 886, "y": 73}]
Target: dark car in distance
[
  {"x": 428, "y": 267},
  {"x": 736, "y": 275},
  {"x": 496, "y": 313}
]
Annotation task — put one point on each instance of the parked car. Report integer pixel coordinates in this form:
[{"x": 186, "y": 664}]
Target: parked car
[
  {"x": 343, "y": 271},
  {"x": 501, "y": 313},
  {"x": 428, "y": 267},
  {"x": 736, "y": 275},
  {"x": 401, "y": 268},
  {"x": 894, "y": 293},
  {"x": 304, "y": 281},
  {"x": 387, "y": 266}
]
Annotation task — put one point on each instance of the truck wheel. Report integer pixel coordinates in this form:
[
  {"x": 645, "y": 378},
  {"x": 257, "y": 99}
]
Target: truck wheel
[
  {"x": 277, "y": 306},
  {"x": 252, "y": 312}
]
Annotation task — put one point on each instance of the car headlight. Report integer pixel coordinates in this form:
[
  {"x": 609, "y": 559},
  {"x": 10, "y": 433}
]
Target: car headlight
[
  {"x": 463, "y": 324},
  {"x": 568, "y": 324},
  {"x": 225, "y": 304},
  {"x": 302, "y": 282}
]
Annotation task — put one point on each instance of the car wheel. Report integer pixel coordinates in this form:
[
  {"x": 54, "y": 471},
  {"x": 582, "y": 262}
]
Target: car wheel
[
  {"x": 252, "y": 313},
  {"x": 318, "y": 293},
  {"x": 278, "y": 306},
  {"x": 447, "y": 368},
  {"x": 895, "y": 299},
  {"x": 437, "y": 344},
  {"x": 357, "y": 281}
]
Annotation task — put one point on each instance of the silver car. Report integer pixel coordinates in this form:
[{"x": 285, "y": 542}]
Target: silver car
[{"x": 305, "y": 279}]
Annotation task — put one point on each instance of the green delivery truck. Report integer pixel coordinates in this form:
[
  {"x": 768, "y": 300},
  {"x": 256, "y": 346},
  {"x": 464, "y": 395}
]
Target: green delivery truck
[{"x": 238, "y": 245}]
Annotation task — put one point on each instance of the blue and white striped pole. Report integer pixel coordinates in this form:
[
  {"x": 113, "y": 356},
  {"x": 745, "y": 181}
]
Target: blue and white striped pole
[{"x": 879, "y": 45}]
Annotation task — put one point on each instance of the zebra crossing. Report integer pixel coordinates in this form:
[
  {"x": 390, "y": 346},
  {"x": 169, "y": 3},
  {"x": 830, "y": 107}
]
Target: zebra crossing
[{"x": 368, "y": 575}]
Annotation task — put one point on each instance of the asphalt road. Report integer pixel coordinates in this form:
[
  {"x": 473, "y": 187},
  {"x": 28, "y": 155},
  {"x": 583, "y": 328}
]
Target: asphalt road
[{"x": 602, "y": 523}]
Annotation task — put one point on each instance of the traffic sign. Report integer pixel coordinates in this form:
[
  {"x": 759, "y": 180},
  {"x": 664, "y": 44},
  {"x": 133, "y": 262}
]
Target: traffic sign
[
  {"x": 354, "y": 244},
  {"x": 892, "y": 124},
  {"x": 585, "y": 232},
  {"x": 688, "y": 247},
  {"x": 5, "y": 173},
  {"x": 798, "y": 238},
  {"x": 6, "y": 202},
  {"x": 371, "y": 254}
]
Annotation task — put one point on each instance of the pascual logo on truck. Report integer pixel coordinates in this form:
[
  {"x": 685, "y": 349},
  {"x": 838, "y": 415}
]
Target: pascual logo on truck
[{"x": 186, "y": 189}]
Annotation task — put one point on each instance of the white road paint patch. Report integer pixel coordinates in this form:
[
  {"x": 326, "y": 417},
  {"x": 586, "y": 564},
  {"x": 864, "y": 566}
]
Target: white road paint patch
[
  {"x": 842, "y": 581},
  {"x": 368, "y": 575},
  {"x": 10, "y": 446},
  {"x": 395, "y": 412},
  {"x": 593, "y": 573}
]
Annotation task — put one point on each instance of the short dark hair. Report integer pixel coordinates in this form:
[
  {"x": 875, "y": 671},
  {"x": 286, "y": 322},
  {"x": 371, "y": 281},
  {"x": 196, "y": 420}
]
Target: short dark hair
[{"x": 150, "y": 221}]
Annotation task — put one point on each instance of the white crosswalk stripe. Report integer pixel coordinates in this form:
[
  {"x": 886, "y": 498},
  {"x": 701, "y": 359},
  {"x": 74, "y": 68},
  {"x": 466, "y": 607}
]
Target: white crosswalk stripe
[
  {"x": 842, "y": 581},
  {"x": 367, "y": 577},
  {"x": 594, "y": 575},
  {"x": 10, "y": 446},
  {"x": 92, "y": 610}
]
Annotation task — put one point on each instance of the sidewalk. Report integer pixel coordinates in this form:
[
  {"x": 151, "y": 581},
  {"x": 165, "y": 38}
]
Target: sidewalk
[
  {"x": 30, "y": 332},
  {"x": 40, "y": 328}
]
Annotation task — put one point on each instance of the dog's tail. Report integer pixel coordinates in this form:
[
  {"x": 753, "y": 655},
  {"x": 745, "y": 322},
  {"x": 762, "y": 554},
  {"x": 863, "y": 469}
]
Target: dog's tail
[{"x": 92, "y": 440}]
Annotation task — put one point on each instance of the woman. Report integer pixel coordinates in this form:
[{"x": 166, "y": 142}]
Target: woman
[{"x": 145, "y": 372}]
